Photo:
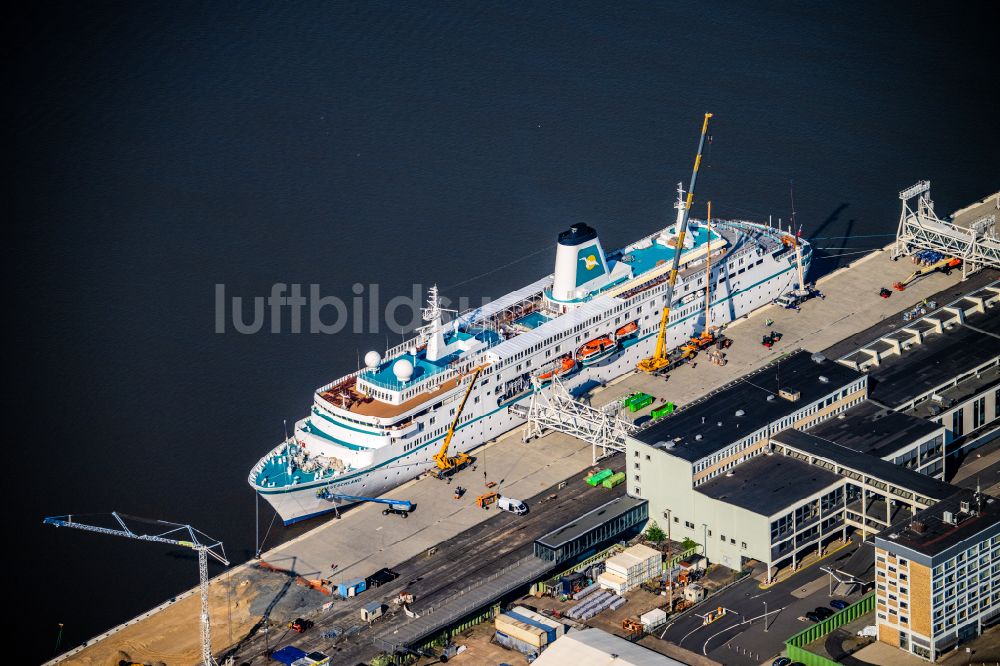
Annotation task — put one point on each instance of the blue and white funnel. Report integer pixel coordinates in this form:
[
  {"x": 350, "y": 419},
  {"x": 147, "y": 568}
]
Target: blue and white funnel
[{"x": 581, "y": 265}]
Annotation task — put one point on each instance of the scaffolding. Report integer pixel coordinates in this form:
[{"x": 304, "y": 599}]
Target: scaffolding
[
  {"x": 555, "y": 408},
  {"x": 976, "y": 244}
]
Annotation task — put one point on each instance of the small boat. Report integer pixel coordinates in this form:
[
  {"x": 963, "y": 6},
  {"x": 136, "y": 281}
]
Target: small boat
[
  {"x": 565, "y": 367},
  {"x": 596, "y": 350},
  {"x": 627, "y": 330}
]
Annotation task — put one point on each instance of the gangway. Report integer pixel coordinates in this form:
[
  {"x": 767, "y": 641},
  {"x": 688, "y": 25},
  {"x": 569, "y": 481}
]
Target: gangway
[
  {"x": 402, "y": 507},
  {"x": 554, "y": 408},
  {"x": 977, "y": 245}
]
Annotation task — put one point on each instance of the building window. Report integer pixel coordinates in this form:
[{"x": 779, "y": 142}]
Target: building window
[
  {"x": 723, "y": 537},
  {"x": 732, "y": 541},
  {"x": 958, "y": 422},
  {"x": 744, "y": 545},
  {"x": 979, "y": 412},
  {"x": 636, "y": 477},
  {"x": 689, "y": 525}
]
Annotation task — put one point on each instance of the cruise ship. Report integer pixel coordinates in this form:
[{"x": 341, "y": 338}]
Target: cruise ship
[{"x": 591, "y": 320}]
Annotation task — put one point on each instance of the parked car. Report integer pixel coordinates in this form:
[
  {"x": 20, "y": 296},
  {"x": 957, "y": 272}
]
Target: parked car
[
  {"x": 781, "y": 661},
  {"x": 823, "y": 612},
  {"x": 839, "y": 604},
  {"x": 813, "y": 616}
]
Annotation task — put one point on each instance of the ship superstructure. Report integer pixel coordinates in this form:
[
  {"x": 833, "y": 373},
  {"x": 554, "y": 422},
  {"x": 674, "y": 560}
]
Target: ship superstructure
[{"x": 591, "y": 320}]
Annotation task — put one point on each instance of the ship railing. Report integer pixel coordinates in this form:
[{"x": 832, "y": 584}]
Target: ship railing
[
  {"x": 337, "y": 382},
  {"x": 409, "y": 387}
]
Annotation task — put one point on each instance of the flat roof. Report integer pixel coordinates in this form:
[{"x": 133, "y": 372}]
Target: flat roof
[
  {"x": 589, "y": 521},
  {"x": 851, "y": 343},
  {"x": 748, "y": 394},
  {"x": 766, "y": 485},
  {"x": 873, "y": 429},
  {"x": 590, "y": 647},
  {"x": 936, "y": 361},
  {"x": 868, "y": 464},
  {"x": 937, "y": 535},
  {"x": 979, "y": 383}
]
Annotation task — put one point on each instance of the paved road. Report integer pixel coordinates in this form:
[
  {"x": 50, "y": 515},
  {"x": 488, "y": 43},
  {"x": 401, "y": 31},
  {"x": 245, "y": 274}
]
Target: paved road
[
  {"x": 459, "y": 561},
  {"x": 739, "y": 637}
]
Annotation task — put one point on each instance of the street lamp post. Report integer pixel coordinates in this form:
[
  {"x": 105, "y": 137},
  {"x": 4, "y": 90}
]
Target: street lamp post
[{"x": 765, "y": 616}]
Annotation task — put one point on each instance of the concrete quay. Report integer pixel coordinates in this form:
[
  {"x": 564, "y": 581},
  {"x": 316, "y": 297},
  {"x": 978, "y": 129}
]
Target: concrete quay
[{"x": 364, "y": 540}]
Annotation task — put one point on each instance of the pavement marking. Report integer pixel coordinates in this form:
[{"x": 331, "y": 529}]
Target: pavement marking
[{"x": 704, "y": 647}]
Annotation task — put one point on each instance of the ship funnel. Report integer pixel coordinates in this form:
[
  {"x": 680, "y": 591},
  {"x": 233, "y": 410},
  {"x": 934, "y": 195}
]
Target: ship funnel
[{"x": 580, "y": 264}]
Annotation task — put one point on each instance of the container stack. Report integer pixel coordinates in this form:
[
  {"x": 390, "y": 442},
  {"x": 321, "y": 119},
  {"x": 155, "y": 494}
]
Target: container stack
[
  {"x": 520, "y": 635},
  {"x": 553, "y": 627},
  {"x": 596, "y": 479},
  {"x": 613, "y": 480},
  {"x": 630, "y": 569}
]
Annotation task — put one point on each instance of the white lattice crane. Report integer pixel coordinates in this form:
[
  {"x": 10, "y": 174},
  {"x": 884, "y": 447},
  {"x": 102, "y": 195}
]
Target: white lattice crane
[{"x": 171, "y": 530}]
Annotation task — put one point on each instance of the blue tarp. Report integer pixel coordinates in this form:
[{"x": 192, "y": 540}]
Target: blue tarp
[
  {"x": 287, "y": 655},
  {"x": 549, "y": 631}
]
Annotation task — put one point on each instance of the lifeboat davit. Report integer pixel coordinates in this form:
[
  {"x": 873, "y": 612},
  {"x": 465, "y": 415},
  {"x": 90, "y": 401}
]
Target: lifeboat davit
[
  {"x": 596, "y": 350},
  {"x": 566, "y": 366},
  {"x": 627, "y": 330}
]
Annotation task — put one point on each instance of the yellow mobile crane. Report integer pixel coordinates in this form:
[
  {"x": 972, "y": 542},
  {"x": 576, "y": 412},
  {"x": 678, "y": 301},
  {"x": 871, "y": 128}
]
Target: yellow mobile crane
[
  {"x": 659, "y": 359},
  {"x": 448, "y": 465}
]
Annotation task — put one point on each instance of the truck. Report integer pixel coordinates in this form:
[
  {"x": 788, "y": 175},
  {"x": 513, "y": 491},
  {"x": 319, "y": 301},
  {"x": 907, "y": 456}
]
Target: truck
[
  {"x": 791, "y": 300},
  {"x": 512, "y": 505}
]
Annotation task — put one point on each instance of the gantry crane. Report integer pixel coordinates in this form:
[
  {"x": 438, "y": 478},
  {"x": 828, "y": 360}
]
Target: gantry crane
[
  {"x": 659, "y": 360},
  {"x": 448, "y": 465},
  {"x": 203, "y": 549}
]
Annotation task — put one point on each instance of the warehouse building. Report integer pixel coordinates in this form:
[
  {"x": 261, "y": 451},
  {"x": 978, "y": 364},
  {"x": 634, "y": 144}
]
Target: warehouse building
[
  {"x": 938, "y": 575},
  {"x": 706, "y": 441},
  {"x": 618, "y": 520},
  {"x": 594, "y": 647},
  {"x": 747, "y": 484},
  {"x": 904, "y": 440},
  {"x": 943, "y": 367}
]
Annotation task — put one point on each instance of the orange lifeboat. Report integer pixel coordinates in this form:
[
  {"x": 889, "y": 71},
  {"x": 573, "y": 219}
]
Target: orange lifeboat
[
  {"x": 627, "y": 330},
  {"x": 565, "y": 367},
  {"x": 596, "y": 350}
]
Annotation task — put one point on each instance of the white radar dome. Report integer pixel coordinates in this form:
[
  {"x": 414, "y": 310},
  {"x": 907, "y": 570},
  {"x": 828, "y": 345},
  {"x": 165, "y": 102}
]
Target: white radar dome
[
  {"x": 372, "y": 359},
  {"x": 403, "y": 370}
]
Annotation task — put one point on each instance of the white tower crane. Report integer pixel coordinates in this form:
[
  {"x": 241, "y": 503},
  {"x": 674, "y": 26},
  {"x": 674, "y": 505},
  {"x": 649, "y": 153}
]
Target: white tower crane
[{"x": 171, "y": 530}]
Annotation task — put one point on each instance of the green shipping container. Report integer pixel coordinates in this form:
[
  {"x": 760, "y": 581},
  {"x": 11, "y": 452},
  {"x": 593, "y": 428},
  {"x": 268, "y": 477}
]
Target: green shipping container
[
  {"x": 613, "y": 481},
  {"x": 640, "y": 401},
  {"x": 663, "y": 410},
  {"x": 600, "y": 476}
]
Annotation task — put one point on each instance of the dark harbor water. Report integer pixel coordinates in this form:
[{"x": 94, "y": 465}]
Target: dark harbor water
[{"x": 160, "y": 149}]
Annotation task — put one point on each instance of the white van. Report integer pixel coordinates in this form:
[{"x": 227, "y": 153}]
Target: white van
[{"x": 512, "y": 505}]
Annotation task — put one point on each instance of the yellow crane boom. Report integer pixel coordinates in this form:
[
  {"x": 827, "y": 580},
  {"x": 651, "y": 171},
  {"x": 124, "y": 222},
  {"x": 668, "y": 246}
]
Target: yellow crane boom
[
  {"x": 659, "y": 358},
  {"x": 445, "y": 464}
]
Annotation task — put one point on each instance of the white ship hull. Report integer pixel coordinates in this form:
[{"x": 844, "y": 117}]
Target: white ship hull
[{"x": 385, "y": 461}]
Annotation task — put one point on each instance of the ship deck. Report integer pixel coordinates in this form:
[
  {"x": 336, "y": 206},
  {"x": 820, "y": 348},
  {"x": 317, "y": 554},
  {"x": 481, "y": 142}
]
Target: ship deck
[
  {"x": 643, "y": 260},
  {"x": 384, "y": 410},
  {"x": 385, "y": 377}
]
